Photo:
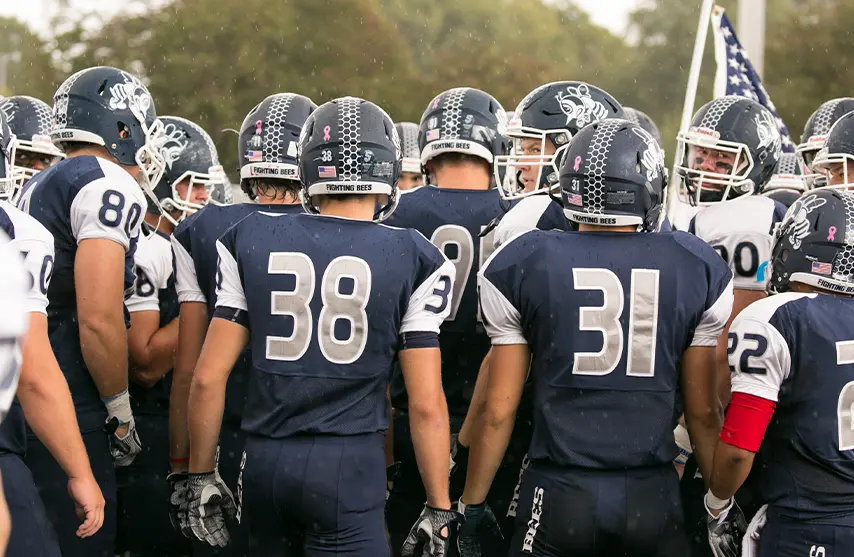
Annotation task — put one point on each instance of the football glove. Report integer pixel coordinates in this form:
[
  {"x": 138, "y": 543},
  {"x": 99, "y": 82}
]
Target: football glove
[
  {"x": 425, "y": 539},
  {"x": 750, "y": 543},
  {"x": 726, "y": 530},
  {"x": 178, "y": 503},
  {"x": 209, "y": 503},
  {"x": 123, "y": 449},
  {"x": 479, "y": 521}
]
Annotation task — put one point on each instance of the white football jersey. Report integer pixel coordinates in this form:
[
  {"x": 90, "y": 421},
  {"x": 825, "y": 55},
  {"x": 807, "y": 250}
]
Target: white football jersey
[
  {"x": 14, "y": 285},
  {"x": 35, "y": 244},
  {"x": 153, "y": 267},
  {"x": 742, "y": 232}
]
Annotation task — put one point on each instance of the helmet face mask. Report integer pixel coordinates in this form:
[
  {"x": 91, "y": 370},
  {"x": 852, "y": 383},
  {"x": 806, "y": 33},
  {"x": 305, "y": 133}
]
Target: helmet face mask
[
  {"x": 835, "y": 161},
  {"x": 705, "y": 186},
  {"x": 816, "y": 131},
  {"x": 547, "y": 146},
  {"x": 9, "y": 175}
]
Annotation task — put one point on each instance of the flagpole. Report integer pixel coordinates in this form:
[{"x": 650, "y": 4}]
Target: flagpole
[
  {"x": 751, "y": 31},
  {"x": 691, "y": 90}
]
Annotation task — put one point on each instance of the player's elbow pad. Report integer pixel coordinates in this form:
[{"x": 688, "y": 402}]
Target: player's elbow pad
[
  {"x": 419, "y": 339},
  {"x": 683, "y": 443}
]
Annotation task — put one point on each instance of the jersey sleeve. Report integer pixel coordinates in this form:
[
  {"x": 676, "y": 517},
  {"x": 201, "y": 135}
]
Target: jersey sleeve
[
  {"x": 229, "y": 288},
  {"x": 431, "y": 300},
  {"x": 14, "y": 320},
  {"x": 153, "y": 266},
  {"x": 38, "y": 261},
  {"x": 186, "y": 280},
  {"x": 719, "y": 293},
  {"x": 501, "y": 316},
  {"x": 758, "y": 353},
  {"x": 108, "y": 208}
]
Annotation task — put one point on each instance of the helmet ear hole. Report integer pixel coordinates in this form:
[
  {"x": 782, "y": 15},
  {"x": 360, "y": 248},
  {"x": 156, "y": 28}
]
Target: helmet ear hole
[
  {"x": 784, "y": 255},
  {"x": 124, "y": 132}
]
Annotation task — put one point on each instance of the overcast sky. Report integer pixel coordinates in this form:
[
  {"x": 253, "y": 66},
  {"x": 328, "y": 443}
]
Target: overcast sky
[{"x": 612, "y": 14}]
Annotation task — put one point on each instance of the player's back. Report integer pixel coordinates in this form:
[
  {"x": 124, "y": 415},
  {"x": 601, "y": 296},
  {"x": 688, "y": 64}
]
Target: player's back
[
  {"x": 742, "y": 232},
  {"x": 607, "y": 317},
  {"x": 808, "y": 449},
  {"x": 453, "y": 219},
  {"x": 327, "y": 300},
  {"x": 194, "y": 245}
]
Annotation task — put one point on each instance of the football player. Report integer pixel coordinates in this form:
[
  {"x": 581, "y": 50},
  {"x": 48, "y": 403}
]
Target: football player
[
  {"x": 29, "y": 119},
  {"x": 792, "y": 357},
  {"x": 726, "y": 156},
  {"x": 788, "y": 183},
  {"x": 192, "y": 168},
  {"x": 815, "y": 132},
  {"x": 543, "y": 123},
  {"x": 92, "y": 203},
  {"x": 459, "y": 138},
  {"x": 13, "y": 289},
  {"x": 356, "y": 295},
  {"x": 43, "y": 396},
  {"x": 410, "y": 169},
  {"x": 581, "y": 311},
  {"x": 267, "y": 148}
]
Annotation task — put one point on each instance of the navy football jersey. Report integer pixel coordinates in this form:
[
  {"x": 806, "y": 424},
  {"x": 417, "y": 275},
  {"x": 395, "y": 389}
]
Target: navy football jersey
[
  {"x": 535, "y": 212},
  {"x": 29, "y": 238},
  {"x": 453, "y": 221},
  {"x": 81, "y": 198},
  {"x": 154, "y": 290},
  {"x": 328, "y": 300},
  {"x": 607, "y": 316},
  {"x": 194, "y": 246},
  {"x": 798, "y": 351},
  {"x": 742, "y": 232}
]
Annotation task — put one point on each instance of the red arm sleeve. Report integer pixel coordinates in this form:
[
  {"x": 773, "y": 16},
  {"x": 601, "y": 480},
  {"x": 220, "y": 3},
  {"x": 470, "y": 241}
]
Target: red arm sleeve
[{"x": 747, "y": 418}]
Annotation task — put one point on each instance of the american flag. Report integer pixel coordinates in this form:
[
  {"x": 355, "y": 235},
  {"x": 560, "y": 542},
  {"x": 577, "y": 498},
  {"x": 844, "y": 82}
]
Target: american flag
[
  {"x": 736, "y": 74},
  {"x": 573, "y": 199},
  {"x": 326, "y": 172}
]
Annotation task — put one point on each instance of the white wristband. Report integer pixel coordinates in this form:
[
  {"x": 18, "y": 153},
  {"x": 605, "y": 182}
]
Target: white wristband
[
  {"x": 715, "y": 504},
  {"x": 683, "y": 443},
  {"x": 118, "y": 407}
]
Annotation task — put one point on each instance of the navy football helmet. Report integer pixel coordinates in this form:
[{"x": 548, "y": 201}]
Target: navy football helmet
[
  {"x": 613, "y": 174},
  {"x": 349, "y": 146},
  {"x": 815, "y": 132},
  {"x": 463, "y": 120},
  {"x": 640, "y": 118},
  {"x": 551, "y": 114},
  {"x": 815, "y": 243},
  {"x": 730, "y": 149},
  {"x": 269, "y": 138},
  {"x": 835, "y": 160},
  {"x": 30, "y": 121},
  {"x": 8, "y": 146},
  {"x": 109, "y": 107},
  {"x": 408, "y": 134},
  {"x": 191, "y": 160}
]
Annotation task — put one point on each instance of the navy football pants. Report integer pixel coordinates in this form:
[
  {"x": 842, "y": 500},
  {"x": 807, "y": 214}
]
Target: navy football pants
[
  {"x": 52, "y": 484},
  {"x": 144, "y": 528},
  {"x": 315, "y": 496},
  {"x": 574, "y": 512},
  {"x": 32, "y": 532},
  {"x": 787, "y": 538}
]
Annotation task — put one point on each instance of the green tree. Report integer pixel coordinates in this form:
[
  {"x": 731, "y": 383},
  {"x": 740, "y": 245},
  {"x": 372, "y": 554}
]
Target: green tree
[{"x": 32, "y": 73}]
